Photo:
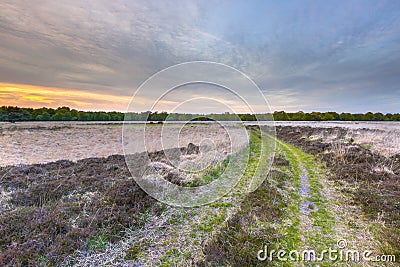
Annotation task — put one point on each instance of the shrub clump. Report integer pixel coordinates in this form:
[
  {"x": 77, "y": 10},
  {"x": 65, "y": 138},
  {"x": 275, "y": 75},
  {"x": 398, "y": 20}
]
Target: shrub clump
[{"x": 60, "y": 207}]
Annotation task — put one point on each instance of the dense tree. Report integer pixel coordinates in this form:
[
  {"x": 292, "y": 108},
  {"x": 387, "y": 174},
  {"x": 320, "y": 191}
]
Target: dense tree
[
  {"x": 346, "y": 117},
  {"x": 379, "y": 117},
  {"x": 330, "y": 116},
  {"x": 12, "y": 114},
  {"x": 281, "y": 116},
  {"x": 43, "y": 116},
  {"x": 158, "y": 116},
  {"x": 298, "y": 116}
]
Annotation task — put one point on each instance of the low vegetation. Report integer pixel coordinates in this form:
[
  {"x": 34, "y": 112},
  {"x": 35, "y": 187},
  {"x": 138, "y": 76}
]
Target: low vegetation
[
  {"x": 54, "y": 209},
  {"x": 92, "y": 213}
]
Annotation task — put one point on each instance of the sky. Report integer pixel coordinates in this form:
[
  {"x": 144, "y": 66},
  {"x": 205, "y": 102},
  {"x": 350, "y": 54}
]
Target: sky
[{"x": 339, "y": 56}]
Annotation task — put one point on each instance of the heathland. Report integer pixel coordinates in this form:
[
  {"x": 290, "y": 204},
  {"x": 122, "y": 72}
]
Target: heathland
[{"x": 68, "y": 198}]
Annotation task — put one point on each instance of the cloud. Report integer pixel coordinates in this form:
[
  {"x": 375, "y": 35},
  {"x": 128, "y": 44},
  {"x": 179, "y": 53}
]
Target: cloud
[
  {"x": 304, "y": 55},
  {"x": 36, "y": 97},
  {"x": 123, "y": 42}
]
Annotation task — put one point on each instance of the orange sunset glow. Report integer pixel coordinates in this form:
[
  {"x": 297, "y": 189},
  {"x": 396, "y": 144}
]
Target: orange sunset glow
[{"x": 39, "y": 96}]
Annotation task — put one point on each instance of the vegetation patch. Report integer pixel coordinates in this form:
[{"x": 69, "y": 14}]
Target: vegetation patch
[
  {"x": 64, "y": 206},
  {"x": 371, "y": 180},
  {"x": 252, "y": 227}
]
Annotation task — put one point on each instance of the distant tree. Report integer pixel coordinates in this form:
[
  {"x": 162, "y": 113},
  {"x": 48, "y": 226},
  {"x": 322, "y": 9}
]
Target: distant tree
[
  {"x": 331, "y": 116},
  {"x": 314, "y": 116},
  {"x": 84, "y": 116},
  {"x": 346, "y": 117},
  {"x": 62, "y": 115},
  {"x": 243, "y": 117},
  {"x": 396, "y": 117},
  {"x": 267, "y": 117},
  {"x": 358, "y": 117},
  {"x": 14, "y": 114},
  {"x": 388, "y": 116},
  {"x": 10, "y": 113},
  {"x": 378, "y": 117},
  {"x": 281, "y": 116},
  {"x": 116, "y": 116},
  {"x": 155, "y": 116},
  {"x": 327, "y": 117},
  {"x": 201, "y": 118},
  {"x": 298, "y": 116},
  {"x": 43, "y": 117},
  {"x": 101, "y": 116}
]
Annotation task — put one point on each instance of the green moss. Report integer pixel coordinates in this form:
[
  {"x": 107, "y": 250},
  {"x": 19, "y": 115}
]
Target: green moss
[
  {"x": 171, "y": 257},
  {"x": 97, "y": 242},
  {"x": 208, "y": 223}
]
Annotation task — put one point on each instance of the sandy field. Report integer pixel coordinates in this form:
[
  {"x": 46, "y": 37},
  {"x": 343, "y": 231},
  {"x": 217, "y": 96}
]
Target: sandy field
[{"x": 42, "y": 142}]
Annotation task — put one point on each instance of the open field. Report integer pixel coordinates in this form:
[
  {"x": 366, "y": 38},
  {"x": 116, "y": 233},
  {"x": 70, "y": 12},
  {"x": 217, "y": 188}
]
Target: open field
[
  {"x": 41, "y": 142},
  {"x": 36, "y": 142},
  {"x": 326, "y": 184}
]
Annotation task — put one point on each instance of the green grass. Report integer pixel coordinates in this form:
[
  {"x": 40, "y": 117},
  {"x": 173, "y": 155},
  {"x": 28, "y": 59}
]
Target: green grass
[
  {"x": 209, "y": 174},
  {"x": 291, "y": 230},
  {"x": 98, "y": 242},
  {"x": 320, "y": 234}
]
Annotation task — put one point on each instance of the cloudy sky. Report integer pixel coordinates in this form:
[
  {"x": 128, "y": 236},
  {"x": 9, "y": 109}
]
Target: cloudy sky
[{"x": 304, "y": 55}]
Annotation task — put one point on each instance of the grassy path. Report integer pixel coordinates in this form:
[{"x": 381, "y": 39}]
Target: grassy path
[
  {"x": 310, "y": 212},
  {"x": 320, "y": 215}
]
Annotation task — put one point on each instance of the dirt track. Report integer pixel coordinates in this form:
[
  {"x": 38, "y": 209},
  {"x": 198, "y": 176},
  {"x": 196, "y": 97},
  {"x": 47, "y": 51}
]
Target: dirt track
[{"x": 370, "y": 179}]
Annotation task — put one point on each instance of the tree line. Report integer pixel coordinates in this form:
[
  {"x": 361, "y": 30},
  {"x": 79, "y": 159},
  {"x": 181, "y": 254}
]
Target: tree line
[{"x": 14, "y": 114}]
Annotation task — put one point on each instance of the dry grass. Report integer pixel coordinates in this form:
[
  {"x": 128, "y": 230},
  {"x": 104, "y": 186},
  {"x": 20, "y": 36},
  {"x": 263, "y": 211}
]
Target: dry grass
[
  {"x": 91, "y": 212},
  {"x": 61, "y": 207},
  {"x": 73, "y": 141}
]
